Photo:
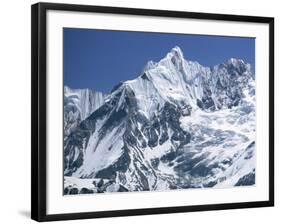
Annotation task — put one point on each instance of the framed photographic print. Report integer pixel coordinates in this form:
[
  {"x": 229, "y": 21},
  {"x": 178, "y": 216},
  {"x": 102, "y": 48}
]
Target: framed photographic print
[{"x": 139, "y": 111}]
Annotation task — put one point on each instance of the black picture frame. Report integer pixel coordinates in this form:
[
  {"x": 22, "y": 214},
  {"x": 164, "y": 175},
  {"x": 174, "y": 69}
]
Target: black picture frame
[{"x": 39, "y": 122}]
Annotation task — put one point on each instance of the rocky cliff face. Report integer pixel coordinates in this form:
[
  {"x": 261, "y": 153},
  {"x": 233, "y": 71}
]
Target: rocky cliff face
[{"x": 178, "y": 125}]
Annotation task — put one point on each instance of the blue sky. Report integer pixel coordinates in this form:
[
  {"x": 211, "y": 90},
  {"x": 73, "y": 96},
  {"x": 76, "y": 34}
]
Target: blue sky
[{"x": 100, "y": 59}]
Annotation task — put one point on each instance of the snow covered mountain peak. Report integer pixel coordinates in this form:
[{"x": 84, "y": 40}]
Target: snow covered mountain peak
[
  {"x": 171, "y": 59},
  {"x": 178, "y": 125},
  {"x": 234, "y": 69},
  {"x": 235, "y": 61},
  {"x": 174, "y": 58},
  {"x": 180, "y": 82},
  {"x": 176, "y": 52}
]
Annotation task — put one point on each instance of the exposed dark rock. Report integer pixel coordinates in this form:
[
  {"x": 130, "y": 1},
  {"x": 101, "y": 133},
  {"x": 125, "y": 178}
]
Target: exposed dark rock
[
  {"x": 247, "y": 180},
  {"x": 73, "y": 191},
  {"x": 86, "y": 191}
]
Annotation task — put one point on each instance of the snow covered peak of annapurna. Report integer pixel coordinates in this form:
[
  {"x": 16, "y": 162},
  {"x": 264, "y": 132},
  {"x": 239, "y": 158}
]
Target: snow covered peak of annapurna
[
  {"x": 181, "y": 82},
  {"x": 176, "y": 53}
]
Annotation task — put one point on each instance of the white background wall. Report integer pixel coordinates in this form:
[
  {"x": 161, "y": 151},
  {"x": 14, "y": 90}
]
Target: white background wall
[{"x": 15, "y": 110}]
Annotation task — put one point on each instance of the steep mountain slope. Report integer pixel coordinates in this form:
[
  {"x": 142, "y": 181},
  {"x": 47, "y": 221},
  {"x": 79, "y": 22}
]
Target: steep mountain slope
[
  {"x": 178, "y": 125},
  {"x": 78, "y": 105}
]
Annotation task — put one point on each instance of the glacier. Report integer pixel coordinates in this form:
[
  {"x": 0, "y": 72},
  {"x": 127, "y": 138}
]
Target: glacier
[{"x": 178, "y": 125}]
